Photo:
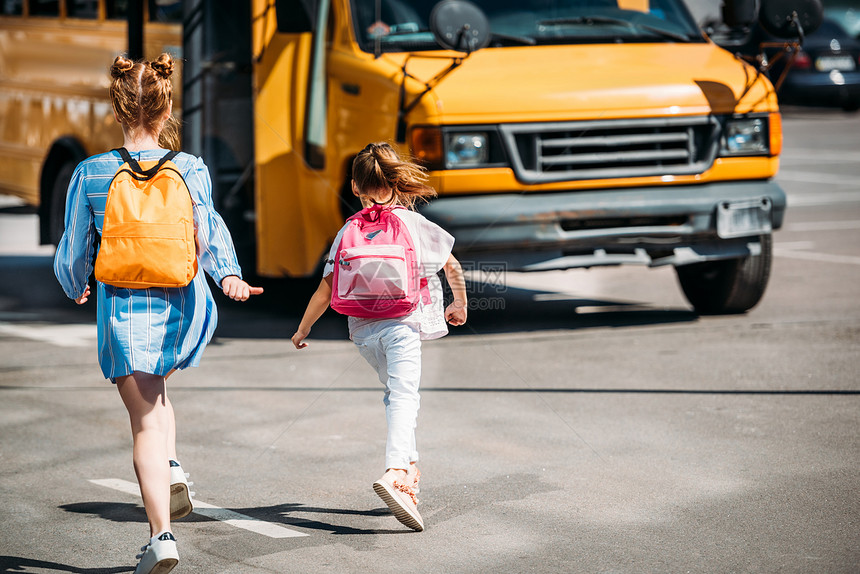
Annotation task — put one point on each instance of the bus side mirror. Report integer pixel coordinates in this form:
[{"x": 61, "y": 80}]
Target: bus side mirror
[
  {"x": 295, "y": 16},
  {"x": 780, "y": 18},
  {"x": 460, "y": 26},
  {"x": 787, "y": 21},
  {"x": 790, "y": 18}
]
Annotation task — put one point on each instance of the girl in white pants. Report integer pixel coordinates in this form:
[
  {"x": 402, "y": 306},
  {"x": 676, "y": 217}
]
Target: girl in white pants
[{"x": 393, "y": 346}]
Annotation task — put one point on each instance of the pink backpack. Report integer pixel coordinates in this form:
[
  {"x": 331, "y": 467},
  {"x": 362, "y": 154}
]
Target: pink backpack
[{"x": 375, "y": 267}]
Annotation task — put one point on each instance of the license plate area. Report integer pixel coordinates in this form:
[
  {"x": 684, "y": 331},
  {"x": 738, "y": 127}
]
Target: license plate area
[
  {"x": 744, "y": 218},
  {"x": 830, "y": 63}
]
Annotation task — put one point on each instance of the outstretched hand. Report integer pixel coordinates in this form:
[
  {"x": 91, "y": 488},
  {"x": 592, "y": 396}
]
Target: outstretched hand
[
  {"x": 456, "y": 313},
  {"x": 299, "y": 339},
  {"x": 237, "y": 289},
  {"x": 83, "y": 298}
]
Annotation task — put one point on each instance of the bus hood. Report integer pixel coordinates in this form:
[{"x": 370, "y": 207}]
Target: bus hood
[{"x": 553, "y": 83}]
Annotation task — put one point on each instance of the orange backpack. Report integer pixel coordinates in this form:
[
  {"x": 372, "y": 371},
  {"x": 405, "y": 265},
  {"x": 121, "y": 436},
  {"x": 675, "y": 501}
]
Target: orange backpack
[{"x": 148, "y": 232}]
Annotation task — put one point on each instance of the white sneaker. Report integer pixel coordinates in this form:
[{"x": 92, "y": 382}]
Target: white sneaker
[
  {"x": 159, "y": 556},
  {"x": 180, "y": 496}
]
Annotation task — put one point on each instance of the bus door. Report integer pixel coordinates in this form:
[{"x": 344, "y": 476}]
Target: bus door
[
  {"x": 296, "y": 200},
  {"x": 217, "y": 111}
]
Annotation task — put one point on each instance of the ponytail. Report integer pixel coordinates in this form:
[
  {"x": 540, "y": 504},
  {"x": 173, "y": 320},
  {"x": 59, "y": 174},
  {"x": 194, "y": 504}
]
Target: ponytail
[{"x": 379, "y": 167}]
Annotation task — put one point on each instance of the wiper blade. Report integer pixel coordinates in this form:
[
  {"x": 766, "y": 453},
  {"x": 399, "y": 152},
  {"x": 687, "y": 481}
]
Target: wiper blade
[
  {"x": 522, "y": 40},
  {"x": 584, "y": 20},
  {"x": 664, "y": 33},
  {"x": 404, "y": 33},
  {"x": 591, "y": 20}
]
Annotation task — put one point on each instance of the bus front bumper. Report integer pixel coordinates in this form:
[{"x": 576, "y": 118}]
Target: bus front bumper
[{"x": 671, "y": 225}]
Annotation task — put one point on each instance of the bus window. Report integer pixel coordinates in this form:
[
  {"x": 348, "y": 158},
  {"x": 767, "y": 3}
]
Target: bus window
[
  {"x": 44, "y": 8},
  {"x": 116, "y": 9},
  {"x": 400, "y": 26},
  {"x": 11, "y": 7},
  {"x": 165, "y": 11},
  {"x": 88, "y": 9},
  {"x": 56, "y": 112},
  {"x": 315, "y": 135}
]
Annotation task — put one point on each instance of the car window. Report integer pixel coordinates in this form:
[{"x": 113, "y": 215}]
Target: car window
[{"x": 832, "y": 29}]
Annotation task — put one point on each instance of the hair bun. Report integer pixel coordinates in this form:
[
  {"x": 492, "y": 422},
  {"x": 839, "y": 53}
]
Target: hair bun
[
  {"x": 163, "y": 65},
  {"x": 120, "y": 66}
]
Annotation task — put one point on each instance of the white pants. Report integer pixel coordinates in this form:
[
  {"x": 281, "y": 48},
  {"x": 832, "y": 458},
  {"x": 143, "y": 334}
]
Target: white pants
[{"x": 394, "y": 350}]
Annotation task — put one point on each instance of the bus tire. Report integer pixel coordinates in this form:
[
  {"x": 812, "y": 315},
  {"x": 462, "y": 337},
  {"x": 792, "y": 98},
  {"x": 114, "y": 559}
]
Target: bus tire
[
  {"x": 57, "y": 210},
  {"x": 728, "y": 286},
  {"x": 349, "y": 203}
]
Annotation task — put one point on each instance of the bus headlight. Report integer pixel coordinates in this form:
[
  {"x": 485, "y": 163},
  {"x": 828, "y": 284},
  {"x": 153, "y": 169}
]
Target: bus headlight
[
  {"x": 466, "y": 150},
  {"x": 746, "y": 136},
  {"x": 457, "y": 147},
  {"x": 426, "y": 144}
]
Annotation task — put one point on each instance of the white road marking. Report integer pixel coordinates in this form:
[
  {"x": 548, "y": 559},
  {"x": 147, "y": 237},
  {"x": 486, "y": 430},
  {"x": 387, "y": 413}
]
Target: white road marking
[
  {"x": 793, "y": 245},
  {"x": 823, "y": 225},
  {"x": 809, "y": 199},
  {"x": 19, "y": 236},
  {"x": 814, "y": 256},
  {"x": 801, "y": 250},
  {"x": 820, "y": 156},
  {"x": 816, "y": 177},
  {"x": 227, "y": 516},
  {"x": 59, "y": 335}
]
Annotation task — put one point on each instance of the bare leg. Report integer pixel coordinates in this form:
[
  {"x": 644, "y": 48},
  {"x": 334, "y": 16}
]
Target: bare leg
[
  {"x": 171, "y": 423},
  {"x": 144, "y": 397},
  {"x": 171, "y": 430}
]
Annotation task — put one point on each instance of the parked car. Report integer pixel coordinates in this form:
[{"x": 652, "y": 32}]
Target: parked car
[
  {"x": 847, "y": 13},
  {"x": 825, "y": 71}
]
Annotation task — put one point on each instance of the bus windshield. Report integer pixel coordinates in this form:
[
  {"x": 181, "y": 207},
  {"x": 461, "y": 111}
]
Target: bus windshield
[{"x": 403, "y": 25}]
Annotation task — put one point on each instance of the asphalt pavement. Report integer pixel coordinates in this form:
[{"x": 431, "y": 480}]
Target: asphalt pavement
[{"x": 583, "y": 421}]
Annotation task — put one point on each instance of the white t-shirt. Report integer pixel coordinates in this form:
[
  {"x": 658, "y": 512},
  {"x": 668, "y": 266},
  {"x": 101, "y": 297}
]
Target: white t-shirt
[{"x": 433, "y": 247}]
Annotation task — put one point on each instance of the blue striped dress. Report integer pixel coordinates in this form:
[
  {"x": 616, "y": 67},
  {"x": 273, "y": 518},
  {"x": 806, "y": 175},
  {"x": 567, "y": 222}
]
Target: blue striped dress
[{"x": 149, "y": 330}]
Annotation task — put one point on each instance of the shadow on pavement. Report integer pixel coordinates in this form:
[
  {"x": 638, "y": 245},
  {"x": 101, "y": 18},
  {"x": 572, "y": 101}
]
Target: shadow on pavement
[
  {"x": 30, "y": 292},
  {"x": 33, "y": 294},
  {"x": 281, "y": 513},
  {"x": 459, "y": 501},
  {"x": 285, "y": 514},
  {"x": 19, "y": 564},
  {"x": 19, "y": 210},
  {"x": 118, "y": 511}
]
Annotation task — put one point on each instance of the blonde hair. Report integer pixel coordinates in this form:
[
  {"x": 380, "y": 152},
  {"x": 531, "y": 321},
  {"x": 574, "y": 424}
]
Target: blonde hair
[
  {"x": 379, "y": 167},
  {"x": 141, "y": 93}
]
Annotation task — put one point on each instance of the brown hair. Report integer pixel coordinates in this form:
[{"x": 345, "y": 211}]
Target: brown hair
[
  {"x": 141, "y": 93},
  {"x": 379, "y": 167}
]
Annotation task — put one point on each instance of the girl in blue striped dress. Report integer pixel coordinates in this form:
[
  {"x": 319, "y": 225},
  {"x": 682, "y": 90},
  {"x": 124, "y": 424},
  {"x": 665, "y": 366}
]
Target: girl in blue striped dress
[{"x": 144, "y": 335}]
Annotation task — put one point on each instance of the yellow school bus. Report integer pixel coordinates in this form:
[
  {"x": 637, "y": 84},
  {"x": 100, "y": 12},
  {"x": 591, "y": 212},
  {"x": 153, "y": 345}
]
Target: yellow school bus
[
  {"x": 558, "y": 133},
  {"x": 54, "y": 105}
]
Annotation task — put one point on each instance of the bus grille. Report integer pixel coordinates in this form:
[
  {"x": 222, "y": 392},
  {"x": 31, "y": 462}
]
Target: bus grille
[{"x": 550, "y": 152}]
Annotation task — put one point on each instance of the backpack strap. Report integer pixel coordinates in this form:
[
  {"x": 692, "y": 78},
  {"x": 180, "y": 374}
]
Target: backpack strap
[
  {"x": 135, "y": 167},
  {"x": 372, "y": 213}
]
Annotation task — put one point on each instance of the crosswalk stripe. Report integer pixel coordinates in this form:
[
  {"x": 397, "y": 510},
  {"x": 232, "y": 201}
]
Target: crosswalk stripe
[
  {"x": 227, "y": 516},
  {"x": 814, "y": 256},
  {"x": 59, "y": 335}
]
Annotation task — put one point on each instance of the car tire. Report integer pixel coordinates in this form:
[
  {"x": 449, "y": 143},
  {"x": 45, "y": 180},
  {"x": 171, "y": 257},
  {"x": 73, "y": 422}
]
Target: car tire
[
  {"x": 728, "y": 286},
  {"x": 57, "y": 202}
]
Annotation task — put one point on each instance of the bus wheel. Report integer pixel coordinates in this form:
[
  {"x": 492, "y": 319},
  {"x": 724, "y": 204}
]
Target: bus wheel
[
  {"x": 729, "y": 286},
  {"x": 349, "y": 203},
  {"x": 57, "y": 211}
]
